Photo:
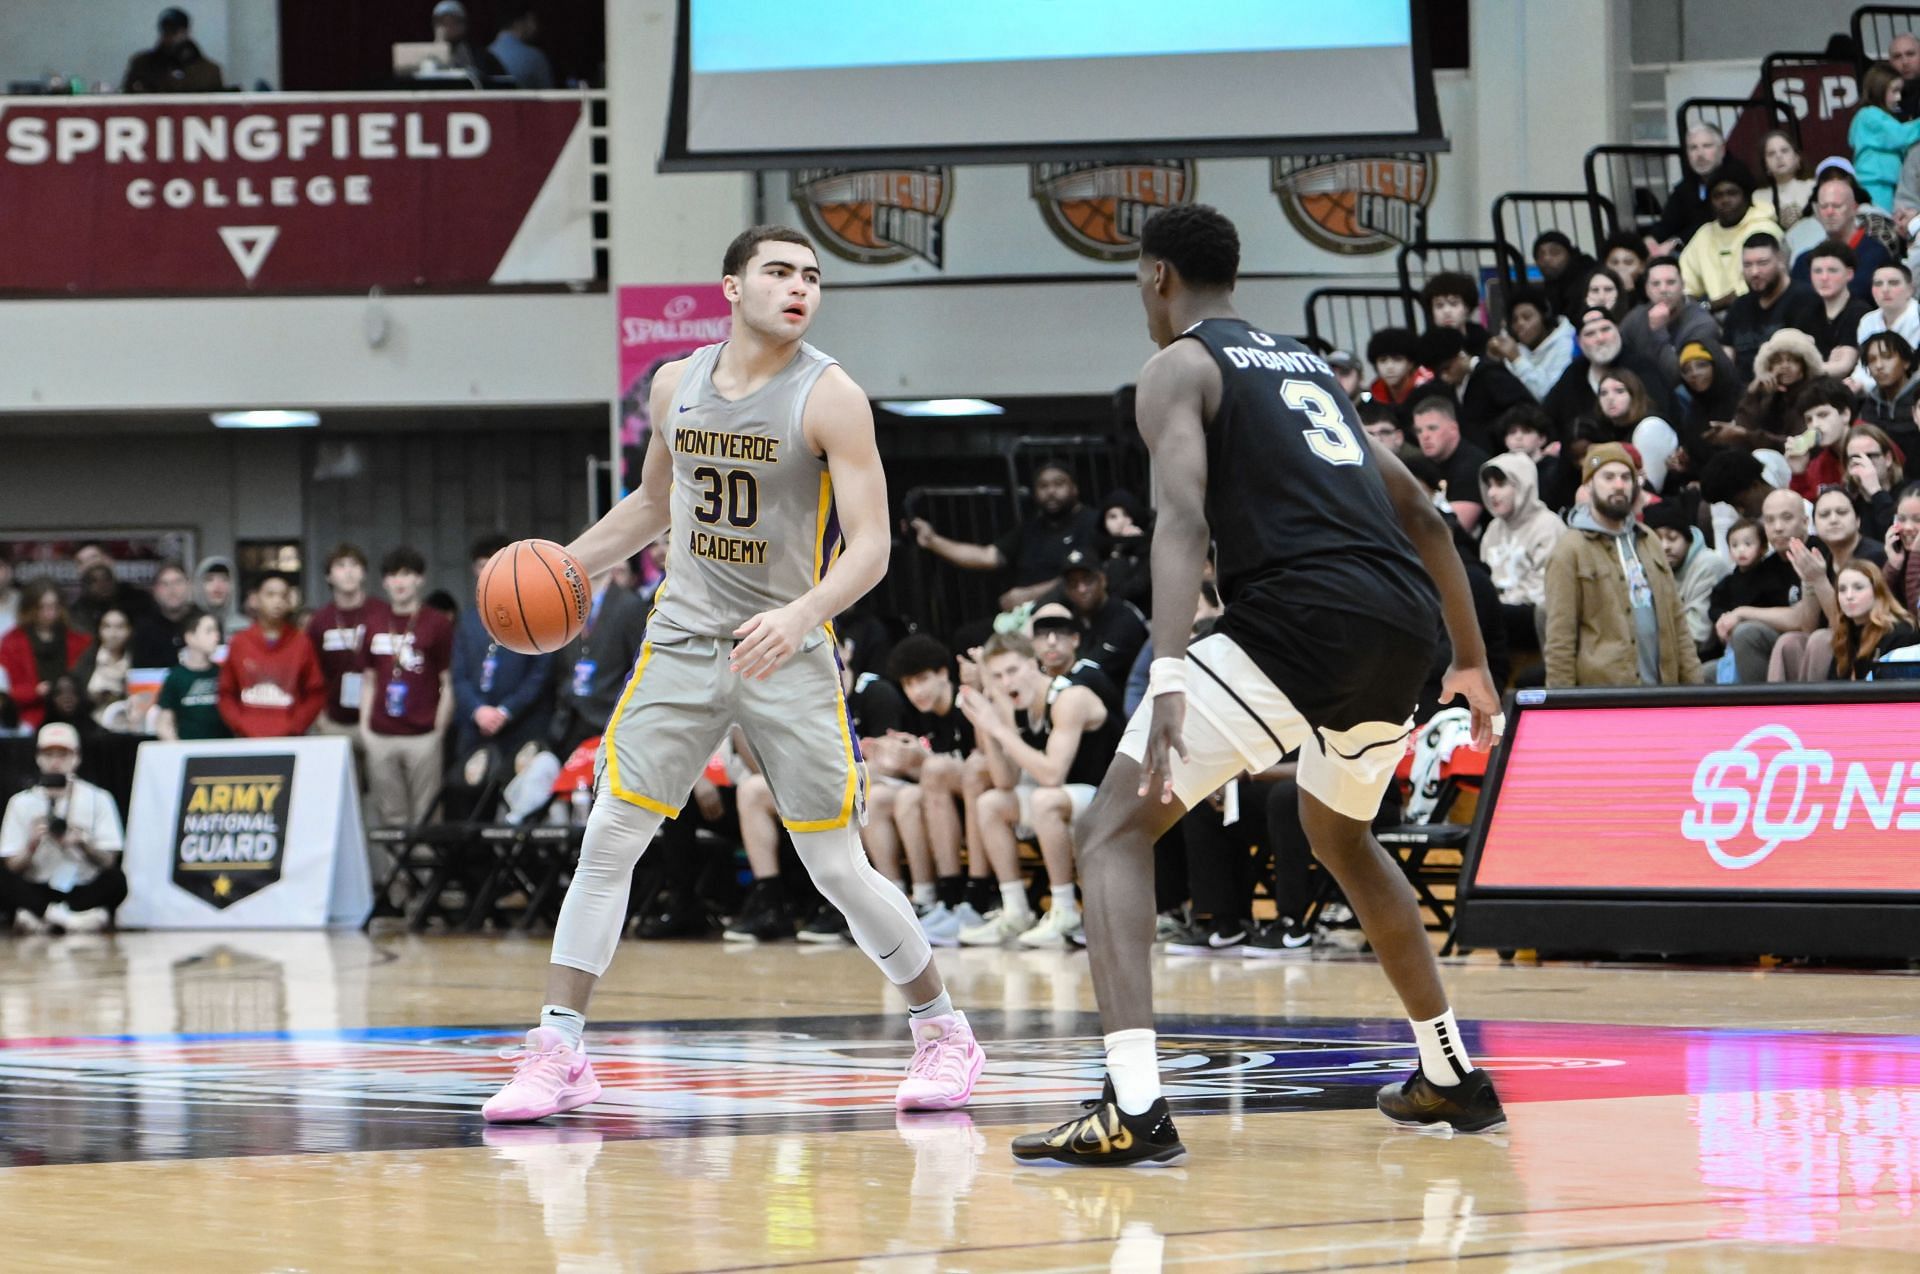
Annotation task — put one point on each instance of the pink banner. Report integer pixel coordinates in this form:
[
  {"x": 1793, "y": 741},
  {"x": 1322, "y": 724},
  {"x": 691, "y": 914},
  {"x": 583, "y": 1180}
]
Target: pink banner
[
  {"x": 1781, "y": 797},
  {"x": 658, "y": 324}
]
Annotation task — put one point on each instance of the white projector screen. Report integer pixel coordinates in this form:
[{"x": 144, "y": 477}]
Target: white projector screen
[{"x": 790, "y": 83}]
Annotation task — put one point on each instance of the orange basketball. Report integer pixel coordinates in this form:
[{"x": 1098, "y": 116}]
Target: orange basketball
[
  {"x": 1338, "y": 212},
  {"x": 1093, "y": 218},
  {"x": 533, "y": 597},
  {"x": 851, "y": 221}
]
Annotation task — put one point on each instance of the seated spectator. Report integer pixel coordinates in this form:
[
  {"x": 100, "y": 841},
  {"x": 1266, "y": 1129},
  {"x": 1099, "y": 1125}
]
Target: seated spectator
[
  {"x": 99, "y": 593},
  {"x": 1710, "y": 391},
  {"x": 1127, "y": 547},
  {"x": 1436, "y": 425},
  {"x": 102, "y": 670},
  {"x": 1451, "y": 301},
  {"x": 1606, "y": 291},
  {"x": 1876, "y": 469},
  {"x": 1903, "y": 548},
  {"x": 1347, "y": 372},
  {"x": 157, "y": 635},
  {"x": 1830, "y": 269},
  {"x": 450, "y": 29},
  {"x": 1836, "y": 526},
  {"x": 1765, "y": 416},
  {"x": 1032, "y": 551},
  {"x": 1048, "y": 746},
  {"x": 1601, "y": 351},
  {"x": 1769, "y": 303},
  {"x": 1520, "y": 535},
  {"x": 61, "y": 840},
  {"x": 1769, "y": 600},
  {"x": 1563, "y": 271},
  {"x": 175, "y": 64},
  {"x": 1059, "y": 636},
  {"x": 501, "y": 700},
  {"x": 1613, "y": 610},
  {"x": 1395, "y": 355},
  {"x": 1872, "y": 622},
  {"x": 1666, "y": 322},
  {"x": 1713, "y": 264},
  {"x": 1687, "y": 207},
  {"x": 1697, "y": 569},
  {"x": 1528, "y": 431},
  {"x": 1879, "y": 138},
  {"x": 1893, "y": 383},
  {"x": 1838, "y": 213},
  {"x": 42, "y": 647},
  {"x": 1382, "y": 423},
  {"x": 1895, "y": 310},
  {"x": 271, "y": 686},
  {"x": 1625, "y": 253},
  {"x": 1481, "y": 387},
  {"x": 407, "y": 701},
  {"x": 1903, "y": 54},
  {"x": 1537, "y": 346},
  {"x": 1626, "y": 411},
  {"x": 1825, "y": 408},
  {"x": 1113, "y": 630},
  {"x": 213, "y": 593},
  {"x": 1786, "y": 191},
  {"x": 514, "y": 50},
  {"x": 189, "y": 701}
]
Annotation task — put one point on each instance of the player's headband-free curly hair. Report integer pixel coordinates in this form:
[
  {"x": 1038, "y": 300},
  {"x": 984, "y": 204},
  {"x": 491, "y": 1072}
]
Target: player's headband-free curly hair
[{"x": 1198, "y": 241}]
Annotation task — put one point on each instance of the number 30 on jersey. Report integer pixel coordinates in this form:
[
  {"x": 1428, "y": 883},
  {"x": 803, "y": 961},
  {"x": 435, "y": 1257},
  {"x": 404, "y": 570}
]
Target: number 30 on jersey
[{"x": 1329, "y": 434}]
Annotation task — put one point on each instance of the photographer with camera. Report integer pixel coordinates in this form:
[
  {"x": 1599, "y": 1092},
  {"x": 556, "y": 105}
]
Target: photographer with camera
[{"x": 61, "y": 841}]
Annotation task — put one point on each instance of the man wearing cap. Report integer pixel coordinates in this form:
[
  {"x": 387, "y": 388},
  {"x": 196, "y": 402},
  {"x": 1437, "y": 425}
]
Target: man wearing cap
[
  {"x": 1836, "y": 208},
  {"x": 1481, "y": 387},
  {"x": 1032, "y": 551},
  {"x": 1667, "y": 322},
  {"x": 1710, "y": 263},
  {"x": 1113, "y": 630},
  {"x": 1058, "y": 636},
  {"x": 1601, "y": 350},
  {"x": 60, "y": 843},
  {"x": 1564, "y": 270},
  {"x": 175, "y": 64},
  {"x": 1613, "y": 611},
  {"x": 1346, "y": 370}
]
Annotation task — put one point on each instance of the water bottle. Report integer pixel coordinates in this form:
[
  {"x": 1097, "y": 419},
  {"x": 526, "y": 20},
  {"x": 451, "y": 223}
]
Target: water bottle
[{"x": 582, "y": 801}]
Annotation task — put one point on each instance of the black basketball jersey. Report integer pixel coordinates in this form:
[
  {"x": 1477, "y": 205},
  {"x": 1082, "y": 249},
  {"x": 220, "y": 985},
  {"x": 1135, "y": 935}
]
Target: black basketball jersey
[
  {"x": 1296, "y": 502},
  {"x": 1095, "y": 753}
]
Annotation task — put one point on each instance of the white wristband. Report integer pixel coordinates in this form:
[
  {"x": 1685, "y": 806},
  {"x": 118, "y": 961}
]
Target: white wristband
[{"x": 1166, "y": 677}]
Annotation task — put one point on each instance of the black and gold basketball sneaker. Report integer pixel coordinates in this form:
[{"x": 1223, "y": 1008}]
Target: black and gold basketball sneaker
[
  {"x": 1468, "y": 1106},
  {"x": 1106, "y": 1137}
]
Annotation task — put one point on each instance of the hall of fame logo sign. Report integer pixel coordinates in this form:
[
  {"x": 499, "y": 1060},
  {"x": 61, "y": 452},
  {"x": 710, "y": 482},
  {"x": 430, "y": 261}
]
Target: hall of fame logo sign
[
  {"x": 876, "y": 216},
  {"x": 1098, "y": 209},
  {"x": 1356, "y": 204}
]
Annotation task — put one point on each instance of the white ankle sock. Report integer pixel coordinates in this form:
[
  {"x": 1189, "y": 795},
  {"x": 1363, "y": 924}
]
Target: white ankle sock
[
  {"x": 923, "y": 894},
  {"x": 940, "y": 1005},
  {"x": 1133, "y": 1062},
  {"x": 1443, "y": 1054},
  {"x": 569, "y": 1022},
  {"x": 1066, "y": 896},
  {"x": 1013, "y": 896}
]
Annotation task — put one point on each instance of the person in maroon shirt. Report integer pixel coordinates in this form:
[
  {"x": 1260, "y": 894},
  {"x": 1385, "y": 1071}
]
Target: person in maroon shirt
[
  {"x": 406, "y": 698},
  {"x": 270, "y": 686},
  {"x": 339, "y": 632}
]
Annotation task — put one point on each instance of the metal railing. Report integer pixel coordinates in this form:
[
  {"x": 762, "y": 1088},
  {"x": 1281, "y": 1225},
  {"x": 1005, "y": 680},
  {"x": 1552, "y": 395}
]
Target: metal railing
[
  {"x": 1636, "y": 180},
  {"x": 1521, "y": 216},
  {"x": 1487, "y": 262},
  {"x": 1874, "y": 26},
  {"x": 1346, "y": 318}
]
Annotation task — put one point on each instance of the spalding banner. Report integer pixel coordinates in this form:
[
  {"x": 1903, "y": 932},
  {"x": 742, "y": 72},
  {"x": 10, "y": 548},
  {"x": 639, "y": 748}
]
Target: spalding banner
[
  {"x": 233, "y": 826},
  {"x": 282, "y": 193},
  {"x": 660, "y": 324}
]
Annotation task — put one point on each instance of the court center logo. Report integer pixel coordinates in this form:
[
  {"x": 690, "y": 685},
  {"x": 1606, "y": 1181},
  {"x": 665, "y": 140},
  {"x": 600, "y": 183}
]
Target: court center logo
[
  {"x": 1356, "y": 204},
  {"x": 1098, "y": 209},
  {"x": 877, "y": 216},
  {"x": 232, "y": 832}
]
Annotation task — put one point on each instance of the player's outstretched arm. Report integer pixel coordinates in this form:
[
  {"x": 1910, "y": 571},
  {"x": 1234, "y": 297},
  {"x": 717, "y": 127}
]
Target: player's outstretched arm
[
  {"x": 642, "y": 517},
  {"x": 838, "y": 424},
  {"x": 1423, "y": 524}
]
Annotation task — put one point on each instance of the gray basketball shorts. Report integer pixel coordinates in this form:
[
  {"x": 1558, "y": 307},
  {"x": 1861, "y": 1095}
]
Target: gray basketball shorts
[{"x": 680, "y": 702}]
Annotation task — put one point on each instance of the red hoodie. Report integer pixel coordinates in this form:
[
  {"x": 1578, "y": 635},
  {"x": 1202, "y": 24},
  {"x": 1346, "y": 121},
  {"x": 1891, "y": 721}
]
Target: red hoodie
[
  {"x": 271, "y": 689},
  {"x": 16, "y": 657}
]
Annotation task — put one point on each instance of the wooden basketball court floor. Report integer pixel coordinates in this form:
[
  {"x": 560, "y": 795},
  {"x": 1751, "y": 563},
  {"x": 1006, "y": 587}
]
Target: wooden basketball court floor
[{"x": 310, "y": 1102}]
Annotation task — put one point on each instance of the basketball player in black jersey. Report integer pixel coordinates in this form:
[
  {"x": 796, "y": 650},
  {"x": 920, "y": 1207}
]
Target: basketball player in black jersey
[{"x": 1329, "y": 553}]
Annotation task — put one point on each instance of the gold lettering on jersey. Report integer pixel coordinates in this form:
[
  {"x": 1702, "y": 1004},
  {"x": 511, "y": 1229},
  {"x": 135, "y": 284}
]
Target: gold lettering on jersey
[
  {"x": 725, "y": 548},
  {"x": 1275, "y": 360},
  {"x": 726, "y": 446}
]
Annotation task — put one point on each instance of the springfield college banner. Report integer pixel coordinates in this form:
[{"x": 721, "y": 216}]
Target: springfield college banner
[{"x": 282, "y": 193}]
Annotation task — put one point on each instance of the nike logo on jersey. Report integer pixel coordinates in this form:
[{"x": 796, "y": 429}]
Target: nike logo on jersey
[{"x": 688, "y": 407}]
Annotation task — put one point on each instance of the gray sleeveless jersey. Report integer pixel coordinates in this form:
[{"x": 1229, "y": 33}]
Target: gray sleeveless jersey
[{"x": 753, "y": 521}]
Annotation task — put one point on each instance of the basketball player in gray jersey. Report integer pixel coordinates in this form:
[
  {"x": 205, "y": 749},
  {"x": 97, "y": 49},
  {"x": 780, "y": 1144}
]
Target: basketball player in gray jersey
[{"x": 762, "y": 470}]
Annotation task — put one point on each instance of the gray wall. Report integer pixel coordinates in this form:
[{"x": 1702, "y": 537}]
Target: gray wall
[{"x": 1718, "y": 30}]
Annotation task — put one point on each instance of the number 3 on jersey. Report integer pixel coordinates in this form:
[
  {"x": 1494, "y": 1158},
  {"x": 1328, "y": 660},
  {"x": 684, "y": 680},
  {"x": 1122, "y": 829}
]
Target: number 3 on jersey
[
  {"x": 735, "y": 493},
  {"x": 1329, "y": 435}
]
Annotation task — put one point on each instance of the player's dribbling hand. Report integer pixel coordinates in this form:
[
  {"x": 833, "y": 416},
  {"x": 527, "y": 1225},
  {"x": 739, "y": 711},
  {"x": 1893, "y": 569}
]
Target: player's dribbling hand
[
  {"x": 766, "y": 641},
  {"x": 1166, "y": 737},
  {"x": 1475, "y": 685}
]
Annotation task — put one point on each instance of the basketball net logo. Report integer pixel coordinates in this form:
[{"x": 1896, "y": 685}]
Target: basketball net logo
[
  {"x": 1356, "y": 204},
  {"x": 877, "y": 216},
  {"x": 1097, "y": 209}
]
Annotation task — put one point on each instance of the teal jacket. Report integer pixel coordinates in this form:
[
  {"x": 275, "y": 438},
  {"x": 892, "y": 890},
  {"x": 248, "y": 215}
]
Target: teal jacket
[{"x": 1879, "y": 144}]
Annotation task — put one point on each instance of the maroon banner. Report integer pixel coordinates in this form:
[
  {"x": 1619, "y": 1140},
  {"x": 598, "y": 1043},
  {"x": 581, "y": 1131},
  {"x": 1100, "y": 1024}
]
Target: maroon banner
[
  {"x": 257, "y": 194},
  {"x": 1823, "y": 96}
]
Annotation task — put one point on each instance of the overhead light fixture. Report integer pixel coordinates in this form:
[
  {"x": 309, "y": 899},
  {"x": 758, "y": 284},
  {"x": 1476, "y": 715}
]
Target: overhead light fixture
[
  {"x": 265, "y": 419},
  {"x": 942, "y": 407}
]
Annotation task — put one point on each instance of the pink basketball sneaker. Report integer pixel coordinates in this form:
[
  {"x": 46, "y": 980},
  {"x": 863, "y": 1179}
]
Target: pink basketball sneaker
[
  {"x": 550, "y": 1076},
  {"x": 947, "y": 1060}
]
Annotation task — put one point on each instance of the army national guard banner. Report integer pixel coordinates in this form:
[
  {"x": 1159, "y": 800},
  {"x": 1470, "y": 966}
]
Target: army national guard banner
[{"x": 246, "y": 834}]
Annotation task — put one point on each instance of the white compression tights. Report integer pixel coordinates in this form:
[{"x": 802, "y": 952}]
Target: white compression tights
[{"x": 617, "y": 833}]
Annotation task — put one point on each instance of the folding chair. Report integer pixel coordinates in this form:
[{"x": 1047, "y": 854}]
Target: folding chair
[{"x": 1414, "y": 844}]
